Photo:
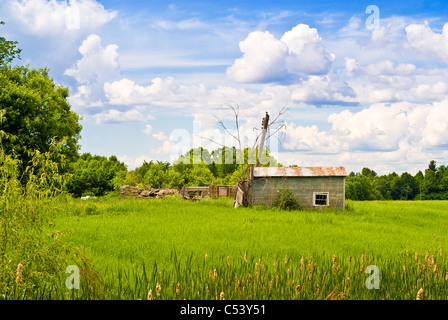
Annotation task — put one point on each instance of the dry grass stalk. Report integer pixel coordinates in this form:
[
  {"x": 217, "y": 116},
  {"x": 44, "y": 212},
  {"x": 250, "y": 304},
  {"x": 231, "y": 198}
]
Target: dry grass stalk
[
  {"x": 149, "y": 297},
  {"x": 332, "y": 294},
  {"x": 19, "y": 273},
  {"x": 419, "y": 294}
]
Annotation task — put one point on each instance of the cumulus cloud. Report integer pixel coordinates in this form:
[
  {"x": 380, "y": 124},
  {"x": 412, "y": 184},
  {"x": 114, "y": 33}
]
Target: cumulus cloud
[
  {"x": 148, "y": 129},
  {"x": 43, "y": 17},
  {"x": 297, "y": 54},
  {"x": 97, "y": 65},
  {"x": 387, "y": 80},
  {"x": 401, "y": 128},
  {"x": 428, "y": 42},
  {"x": 116, "y": 116}
]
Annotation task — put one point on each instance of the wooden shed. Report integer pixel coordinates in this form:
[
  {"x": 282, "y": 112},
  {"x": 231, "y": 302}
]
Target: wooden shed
[{"x": 312, "y": 186}]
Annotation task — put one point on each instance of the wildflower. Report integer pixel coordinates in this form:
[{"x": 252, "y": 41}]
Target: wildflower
[
  {"x": 419, "y": 294},
  {"x": 149, "y": 294},
  {"x": 19, "y": 273}
]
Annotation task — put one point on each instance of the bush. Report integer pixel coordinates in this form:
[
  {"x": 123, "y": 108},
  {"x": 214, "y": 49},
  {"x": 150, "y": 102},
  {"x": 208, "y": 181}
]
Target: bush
[{"x": 285, "y": 200}]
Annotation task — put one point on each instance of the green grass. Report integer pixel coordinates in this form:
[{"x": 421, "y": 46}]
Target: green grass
[{"x": 137, "y": 243}]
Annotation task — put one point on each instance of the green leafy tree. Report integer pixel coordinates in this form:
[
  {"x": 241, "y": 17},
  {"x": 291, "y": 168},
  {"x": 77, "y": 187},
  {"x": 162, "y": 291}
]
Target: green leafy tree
[
  {"x": 156, "y": 174},
  {"x": 94, "y": 175},
  {"x": 37, "y": 109},
  {"x": 8, "y": 50},
  {"x": 31, "y": 255}
]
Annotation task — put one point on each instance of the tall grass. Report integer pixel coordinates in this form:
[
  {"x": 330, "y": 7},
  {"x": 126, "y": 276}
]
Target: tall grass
[{"x": 140, "y": 245}]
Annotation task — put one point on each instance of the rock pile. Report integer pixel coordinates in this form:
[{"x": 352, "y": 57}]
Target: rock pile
[{"x": 139, "y": 192}]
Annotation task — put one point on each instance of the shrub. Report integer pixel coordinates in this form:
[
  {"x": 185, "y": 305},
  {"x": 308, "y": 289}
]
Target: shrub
[{"x": 285, "y": 200}]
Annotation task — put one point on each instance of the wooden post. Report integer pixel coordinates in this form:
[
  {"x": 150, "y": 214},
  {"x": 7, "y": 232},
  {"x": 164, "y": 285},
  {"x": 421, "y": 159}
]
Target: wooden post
[{"x": 263, "y": 137}]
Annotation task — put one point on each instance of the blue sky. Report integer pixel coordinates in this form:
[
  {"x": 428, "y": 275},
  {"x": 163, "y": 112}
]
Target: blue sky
[{"x": 150, "y": 78}]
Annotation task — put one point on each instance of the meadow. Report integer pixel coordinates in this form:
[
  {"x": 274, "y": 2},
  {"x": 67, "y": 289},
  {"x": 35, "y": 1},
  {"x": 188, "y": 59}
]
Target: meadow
[{"x": 178, "y": 249}]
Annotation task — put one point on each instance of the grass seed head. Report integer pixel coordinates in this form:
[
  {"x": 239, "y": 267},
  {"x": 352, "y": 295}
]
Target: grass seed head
[
  {"x": 221, "y": 296},
  {"x": 149, "y": 297},
  {"x": 419, "y": 294},
  {"x": 158, "y": 289},
  {"x": 19, "y": 273}
]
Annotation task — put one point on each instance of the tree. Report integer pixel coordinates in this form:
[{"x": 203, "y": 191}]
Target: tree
[
  {"x": 36, "y": 109},
  {"x": 8, "y": 50},
  {"x": 94, "y": 175}
]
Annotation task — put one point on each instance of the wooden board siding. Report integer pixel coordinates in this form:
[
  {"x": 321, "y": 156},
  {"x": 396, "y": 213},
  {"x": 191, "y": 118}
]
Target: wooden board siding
[{"x": 263, "y": 190}]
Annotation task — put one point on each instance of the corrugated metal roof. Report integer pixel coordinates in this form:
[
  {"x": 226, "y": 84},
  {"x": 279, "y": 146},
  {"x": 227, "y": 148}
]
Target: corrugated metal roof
[{"x": 299, "y": 172}]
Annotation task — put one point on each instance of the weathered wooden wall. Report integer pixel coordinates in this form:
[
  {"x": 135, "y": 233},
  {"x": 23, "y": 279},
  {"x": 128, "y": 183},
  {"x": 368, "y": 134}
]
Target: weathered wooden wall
[{"x": 263, "y": 190}]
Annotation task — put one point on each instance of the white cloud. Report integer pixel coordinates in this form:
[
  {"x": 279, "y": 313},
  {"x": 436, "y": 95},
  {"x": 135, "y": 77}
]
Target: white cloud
[
  {"x": 187, "y": 24},
  {"x": 267, "y": 59},
  {"x": 116, "y": 116},
  {"x": 148, "y": 129},
  {"x": 160, "y": 136},
  {"x": 399, "y": 132},
  {"x": 43, "y": 17},
  {"x": 387, "y": 80},
  {"x": 134, "y": 162},
  {"x": 97, "y": 65},
  {"x": 428, "y": 42}
]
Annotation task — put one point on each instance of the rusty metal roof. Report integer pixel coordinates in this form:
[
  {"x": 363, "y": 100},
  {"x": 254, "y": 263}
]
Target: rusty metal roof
[{"x": 299, "y": 172}]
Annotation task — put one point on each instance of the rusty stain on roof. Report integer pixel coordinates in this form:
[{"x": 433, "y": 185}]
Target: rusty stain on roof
[{"x": 300, "y": 172}]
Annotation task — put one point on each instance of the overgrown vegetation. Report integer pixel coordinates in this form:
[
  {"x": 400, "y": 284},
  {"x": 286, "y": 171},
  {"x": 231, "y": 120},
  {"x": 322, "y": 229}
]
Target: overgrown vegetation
[
  {"x": 285, "y": 200},
  {"x": 32, "y": 252}
]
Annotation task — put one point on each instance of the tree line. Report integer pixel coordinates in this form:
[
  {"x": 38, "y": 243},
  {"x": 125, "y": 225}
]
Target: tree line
[{"x": 432, "y": 184}]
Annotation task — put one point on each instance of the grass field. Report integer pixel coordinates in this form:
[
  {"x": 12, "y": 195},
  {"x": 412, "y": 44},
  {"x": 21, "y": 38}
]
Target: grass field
[{"x": 200, "y": 250}]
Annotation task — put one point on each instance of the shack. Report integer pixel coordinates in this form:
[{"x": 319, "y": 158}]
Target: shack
[{"x": 312, "y": 186}]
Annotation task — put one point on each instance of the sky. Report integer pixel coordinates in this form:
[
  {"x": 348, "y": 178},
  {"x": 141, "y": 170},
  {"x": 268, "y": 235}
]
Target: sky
[{"x": 354, "y": 84}]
